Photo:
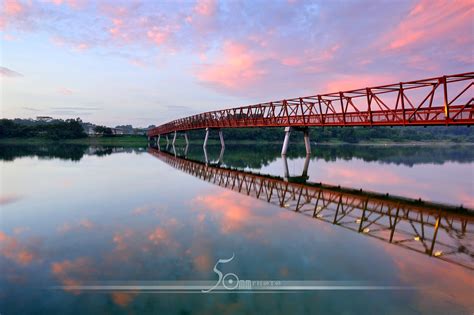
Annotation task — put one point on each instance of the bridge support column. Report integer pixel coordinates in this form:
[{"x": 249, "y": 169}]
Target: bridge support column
[
  {"x": 307, "y": 144},
  {"x": 205, "y": 139},
  {"x": 286, "y": 141},
  {"x": 174, "y": 137},
  {"x": 158, "y": 140},
  {"x": 306, "y": 166},
  {"x": 186, "y": 138},
  {"x": 221, "y": 156},
  {"x": 221, "y": 137},
  {"x": 286, "y": 171},
  {"x": 206, "y": 160},
  {"x": 186, "y": 151}
]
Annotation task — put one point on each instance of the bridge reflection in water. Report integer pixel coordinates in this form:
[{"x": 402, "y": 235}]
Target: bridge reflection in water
[{"x": 440, "y": 231}]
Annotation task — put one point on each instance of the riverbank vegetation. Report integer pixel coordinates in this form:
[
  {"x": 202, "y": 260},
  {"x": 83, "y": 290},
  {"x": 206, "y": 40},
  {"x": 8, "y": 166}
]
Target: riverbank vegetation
[{"x": 72, "y": 131}]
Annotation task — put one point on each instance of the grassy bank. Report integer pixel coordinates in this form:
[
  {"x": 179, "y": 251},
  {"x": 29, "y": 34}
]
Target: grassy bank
[
  {"x": 136, "y": 140},
  {"x": 124, "y": 141}
]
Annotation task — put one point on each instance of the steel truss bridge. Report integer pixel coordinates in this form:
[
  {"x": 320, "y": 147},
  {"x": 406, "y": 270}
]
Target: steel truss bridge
[
  {"x": 445, "y": 100},
  {"x": 440, "y": 231}
]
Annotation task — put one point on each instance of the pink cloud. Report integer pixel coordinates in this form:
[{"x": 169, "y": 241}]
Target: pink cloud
[
  {"x": 431, "y": 20},
  {"x": 75, "y": 4},
  {"x": 14, "y": 250},
  {"x": 236, "y": 68},
  {"x": 7, "y": 199},
  {"x": 348, "y": 82},
  {"x": 205, "y": 7},
  {"x": 158, "y": 35},
  {"x": 73, "y": 272},
  {"x": 12, "y": 7}
]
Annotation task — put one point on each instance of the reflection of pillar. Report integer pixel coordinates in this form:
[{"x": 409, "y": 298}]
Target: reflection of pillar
[
  {"x": 174, "y": 149},
  {"x": 286, "y": 141},
  {"x": 286, "y": 171},
  {"x": 205, "y": 139},
  {"x": 221, "y": 156},
  {"x": 174, "y": 137},
  {"x": 306, "y": 165},
  {"x": 205, "y": 153},
  {"x": 186, "y": 138},
  {"x": 307, "y": 144},
  {"x": 167, "y": 140},
  {"x": 221, "y": 137},
  {"x": 186, "y": 151}
]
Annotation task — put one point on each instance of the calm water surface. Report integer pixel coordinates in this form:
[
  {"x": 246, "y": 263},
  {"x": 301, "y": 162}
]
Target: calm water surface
[{"x": 75, "y": 215}]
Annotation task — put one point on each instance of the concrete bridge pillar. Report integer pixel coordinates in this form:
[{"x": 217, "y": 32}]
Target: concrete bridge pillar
[
  {"x": 286, "y": 141},
  {"x": 205, "y": 140},
  {"x": 186, "y": 138},
  {"x": 306, "y": 166},
  {"x": 286, "y": 170},
  {"x": 221, "y": 156},
  {"x": 174, "y": 137},
  {"x": 206, "y": 160},
  {"x": 186, "y": 151},
  {"x": 221, "y": 137},
  {"x": 307, "y": 144},
  {"x": 158, "y": 140}
]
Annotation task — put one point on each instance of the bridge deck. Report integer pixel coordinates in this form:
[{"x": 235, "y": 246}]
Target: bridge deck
[{"x": 446, "y": 100}]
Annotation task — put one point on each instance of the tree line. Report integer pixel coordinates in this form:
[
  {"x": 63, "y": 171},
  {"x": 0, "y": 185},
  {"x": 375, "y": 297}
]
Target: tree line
[
  {"x": 55, "y": 130},
  {"x": 349, "y": 134}
]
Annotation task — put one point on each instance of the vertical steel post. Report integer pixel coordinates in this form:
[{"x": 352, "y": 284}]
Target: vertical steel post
[
  {"x": 402, "y": 99},
  {"x": 369, "y": 101},
  {"x": 446, "y": 103},
  {"x": 436, "y": 227},
  {"x": 286, "y": 141},
  {"x": 341, "y": 95}
]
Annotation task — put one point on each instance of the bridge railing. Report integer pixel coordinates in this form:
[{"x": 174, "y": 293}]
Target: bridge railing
[{"x": 446, "y": 100}]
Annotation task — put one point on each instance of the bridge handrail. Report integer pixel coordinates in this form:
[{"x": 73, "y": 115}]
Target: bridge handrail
[{"x": 340, "y": 108}]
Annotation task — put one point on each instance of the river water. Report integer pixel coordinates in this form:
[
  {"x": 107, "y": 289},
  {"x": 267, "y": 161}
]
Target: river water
[{"x": 350, "y": 229}]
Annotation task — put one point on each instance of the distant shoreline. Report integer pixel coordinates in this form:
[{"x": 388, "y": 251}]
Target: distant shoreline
[{"x": 137, "y": 140}]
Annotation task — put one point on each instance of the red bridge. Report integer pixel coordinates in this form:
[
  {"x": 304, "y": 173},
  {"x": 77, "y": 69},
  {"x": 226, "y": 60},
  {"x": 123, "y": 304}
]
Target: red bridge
[{"x": 445, "y": 100}]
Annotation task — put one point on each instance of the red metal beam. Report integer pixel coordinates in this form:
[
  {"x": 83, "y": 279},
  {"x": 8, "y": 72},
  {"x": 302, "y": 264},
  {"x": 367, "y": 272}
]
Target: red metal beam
[{"x": 445, "y": 100}]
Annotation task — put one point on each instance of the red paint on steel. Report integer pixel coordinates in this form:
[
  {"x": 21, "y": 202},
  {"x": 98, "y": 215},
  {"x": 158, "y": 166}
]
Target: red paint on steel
[{"x": 435, "y": 101}]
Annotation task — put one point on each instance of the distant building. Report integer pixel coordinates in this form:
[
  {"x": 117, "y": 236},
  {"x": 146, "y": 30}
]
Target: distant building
[
  {"x": 44, "y": 118},
  {"x": 117, "y": 131},
  {"x": 89, "y": 128}
]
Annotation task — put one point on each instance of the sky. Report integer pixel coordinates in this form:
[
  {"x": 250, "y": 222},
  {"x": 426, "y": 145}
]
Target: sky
[{"x": 149, "y": 62}]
